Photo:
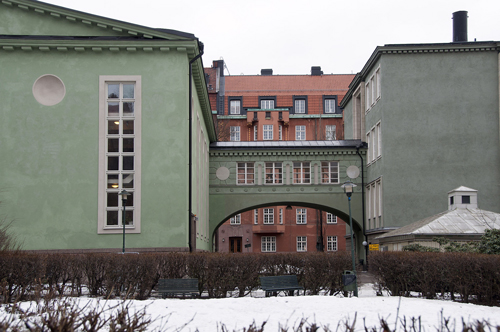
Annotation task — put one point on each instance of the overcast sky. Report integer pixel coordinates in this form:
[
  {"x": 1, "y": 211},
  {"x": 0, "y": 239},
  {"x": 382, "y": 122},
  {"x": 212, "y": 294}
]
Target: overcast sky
[{"x": 290, "y": 36}]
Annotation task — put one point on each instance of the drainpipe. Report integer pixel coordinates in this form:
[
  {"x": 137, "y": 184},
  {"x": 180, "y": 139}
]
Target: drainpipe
[
  {"x": 363, "y": 201},
  {"x": 190, "y": 164}
]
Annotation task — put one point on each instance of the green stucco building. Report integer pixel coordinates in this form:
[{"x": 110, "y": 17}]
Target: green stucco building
[
  {"x": 92, "y": 106},
  {"x": 430, "y": 116}
]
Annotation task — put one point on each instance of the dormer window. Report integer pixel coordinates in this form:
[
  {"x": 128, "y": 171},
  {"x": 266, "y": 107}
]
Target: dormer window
[
  {"x": 267, "y": 104},
  {"x": 465, "y": 199}
]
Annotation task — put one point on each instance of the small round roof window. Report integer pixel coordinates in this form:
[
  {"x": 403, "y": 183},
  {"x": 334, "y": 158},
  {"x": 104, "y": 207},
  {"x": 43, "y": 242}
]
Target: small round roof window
[{"x": 49, "y": 90}]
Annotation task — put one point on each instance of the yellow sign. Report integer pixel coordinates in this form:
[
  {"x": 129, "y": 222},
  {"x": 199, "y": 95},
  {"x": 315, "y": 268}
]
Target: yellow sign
[{"x": 374, "y": 247}]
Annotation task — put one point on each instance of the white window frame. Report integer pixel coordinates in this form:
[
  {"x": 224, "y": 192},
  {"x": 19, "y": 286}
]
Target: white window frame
[
  {"x": 301, "y": 172},
  {"x": 255, "y": 133},
  {"x": 256, "y": 216},
  {"x": 374, "y": 204},
  {"x": 281, "y": 216},
  {"x": 234, "y": 134},
  {"x": 268, "y": 244},
  {"x": 329, "y": 105},
  {"x": 235, "y": 107},
  {"x": 372, "y": 90},
  {"x": 236, "y": 220},
  {"x": 330, "y": 172},
  {"x": 267, "y": 104},
  {"x": 102, "y": 227},
  {"x": 301, "y": 216},
  {"x": 330, "y": 132},
  {"x": 268, "y": 216},
  {"x": 300, "y": 133},
  {"x": 331, "y": 243},
  {"x": 331, "y": 218},
  {"x": 301, "y": 243},
  {"x": 280, "y": 132},
  {"x": 273, "y": 173},
  {"x": 374, "y": 140},
  {"x": 245, "y": 173},
  {"x": 300, "y": 106},
  {"x": 267, "y": 132}
]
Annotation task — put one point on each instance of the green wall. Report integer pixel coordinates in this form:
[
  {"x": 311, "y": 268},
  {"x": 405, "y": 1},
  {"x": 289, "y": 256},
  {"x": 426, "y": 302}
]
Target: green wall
[{"x": 49, "y": 155}]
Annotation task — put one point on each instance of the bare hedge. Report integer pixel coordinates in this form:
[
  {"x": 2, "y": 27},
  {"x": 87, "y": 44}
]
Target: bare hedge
[
  {"x": 26, "y": 276},
  {"x": 466, "y": 277}
]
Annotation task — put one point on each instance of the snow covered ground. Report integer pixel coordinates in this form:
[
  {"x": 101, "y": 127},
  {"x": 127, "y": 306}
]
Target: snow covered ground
[{"x": 239, "y": 313}]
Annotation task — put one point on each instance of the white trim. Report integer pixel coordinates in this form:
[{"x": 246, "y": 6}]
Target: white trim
[{"x": 102, "y": 178}]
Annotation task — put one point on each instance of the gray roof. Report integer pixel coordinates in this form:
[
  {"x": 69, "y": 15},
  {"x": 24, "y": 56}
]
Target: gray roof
[
  {"x": 288, "y": 144},
  {"x": 454, "y": 222}
]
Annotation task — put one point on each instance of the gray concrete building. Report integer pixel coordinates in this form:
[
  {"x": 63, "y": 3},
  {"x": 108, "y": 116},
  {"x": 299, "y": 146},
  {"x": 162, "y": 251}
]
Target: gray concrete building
[{"x": 430, "y": 116}]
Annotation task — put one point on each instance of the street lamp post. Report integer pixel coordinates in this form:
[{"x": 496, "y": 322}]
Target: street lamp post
[
  {"x": 124, "y": 195},
  {"x": 348, "y": 190}
]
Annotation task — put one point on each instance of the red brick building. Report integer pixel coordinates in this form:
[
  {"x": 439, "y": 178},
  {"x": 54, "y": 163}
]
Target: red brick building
[{"x": 279, "y": 108}]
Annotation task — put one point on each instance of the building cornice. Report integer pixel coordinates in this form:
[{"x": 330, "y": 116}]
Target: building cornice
[{"x": 401, "y": 49}]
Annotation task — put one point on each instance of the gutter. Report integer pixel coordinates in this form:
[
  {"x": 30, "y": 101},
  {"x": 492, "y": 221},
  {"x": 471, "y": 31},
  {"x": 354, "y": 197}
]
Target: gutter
[
  {"x": 190, "y": 163},
  {"x": 362, "y": 144}
]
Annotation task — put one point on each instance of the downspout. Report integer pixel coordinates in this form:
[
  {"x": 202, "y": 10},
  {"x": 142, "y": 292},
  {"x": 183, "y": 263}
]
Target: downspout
[
  {"x": 190, "y": 163},
  {"x": 363, "y": 202}
]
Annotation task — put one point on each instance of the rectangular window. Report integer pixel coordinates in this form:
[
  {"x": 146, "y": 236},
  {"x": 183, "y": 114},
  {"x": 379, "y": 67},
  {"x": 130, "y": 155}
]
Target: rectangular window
[
  {"x": 256, "y": 216},
  {"x": 302, "y": 243},
  {"x": 329, "y": 172},
  {"x": 268, "y": 132},
  {"x": 368, "y": 96},
  {"x": 280, "y": 132},
  {"x": 281, "y": 217},
  {"x": 268, "y": 216},
  {"x": 331, "y": 133},
  {"x": 268, "y": 244},
  {"x": 330, "y": 105},
  {"x": 235, "y": 106},
  {"x": 119, "y": 153},
  {"x": 255, "y": 137},
  {"x": 331, "y": 243},
  {"x": 374, "y": 204},
  {"x": 267, "y": 104},
  {"x": 377, "y": 82},
  {"x": 245, "y": 173},
  {"x": 235, "y": 134},
  {"x": 274, "y": 173},
  {"x": 301, "y": 216},
  {"x": 374, "y": 140},
  {"x": 236, "y": 220},
  {"x": 302, "y": 172},
  {"x": 330, "y": 218},
  {"x": 300, "y": 133},
  {"x": 300, "y": 106}
]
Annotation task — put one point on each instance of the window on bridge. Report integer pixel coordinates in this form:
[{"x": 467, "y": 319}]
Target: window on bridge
[
  {"x": 330, "y": 172},
  {"x": 245, "y": 173},
  {"x": 302, "y": 172},
  {"x": 274, "y": 173}
]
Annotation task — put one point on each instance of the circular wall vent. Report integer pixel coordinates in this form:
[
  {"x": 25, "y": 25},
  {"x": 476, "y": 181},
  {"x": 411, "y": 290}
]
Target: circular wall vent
[{"x": 49, "y": 90}]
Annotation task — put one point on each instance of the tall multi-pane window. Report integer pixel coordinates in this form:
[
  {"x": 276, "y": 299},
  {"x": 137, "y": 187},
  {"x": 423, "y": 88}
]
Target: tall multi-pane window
[
  {"x": 236, "y": 220},
  {"x": 301, "y": 243},
  {"x": 255, "y": 132},
  {"x": 267, "y": 104},
  {"x": 301, "y": 216},
  {"x": 374, "y": 204},
  {"x": 245, "y": 173},
  {"x": 268, "y": 244},
  {"x": 268, "y": 216},
  {"x": 281, "y": 216},
  {"x": 274, "y": 173},
  {"x": 235, "y": 106},
  {"x": 267, "y": 132},
  {"x": 331, "y": 243},
  {"x": 302, "y": 172},
  {"x": 374, "y": 139},
  {"x": 256, "y": 216},
  {"x": 331, "y": 218},
  {"x": 300, "y": 133},
  {"x": 119, "y": 167},
  {"x": 280, "y": 132},
  {"x": 234, "y": 133},
  {"x": 330, "y": 105},
  {"x": 300, "y": 106},
  {"x": 329, "y": 172},
  {"x": 330, "y": 132}
]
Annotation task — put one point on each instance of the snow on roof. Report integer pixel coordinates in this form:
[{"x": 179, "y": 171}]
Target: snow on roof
[{"x": 457, "y": 221}]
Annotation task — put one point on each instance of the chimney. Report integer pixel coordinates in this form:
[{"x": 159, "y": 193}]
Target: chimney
[
  {"x": 460, "y": 26},
  {"x": 316, "y": 71},
  {"x": 266, "y": 72}
]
